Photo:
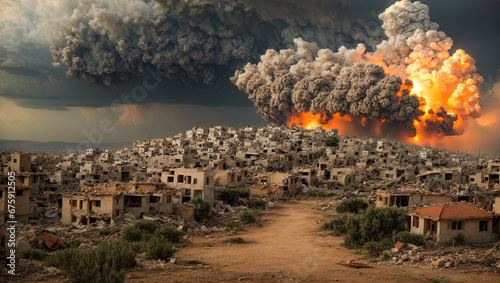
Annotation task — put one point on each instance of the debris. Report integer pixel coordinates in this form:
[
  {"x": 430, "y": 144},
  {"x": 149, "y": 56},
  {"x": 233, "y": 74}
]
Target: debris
[
  {"x": 398, "y": 246},
  {"x": 353, "y": 264},
  {"x": 51, "y": 241}
]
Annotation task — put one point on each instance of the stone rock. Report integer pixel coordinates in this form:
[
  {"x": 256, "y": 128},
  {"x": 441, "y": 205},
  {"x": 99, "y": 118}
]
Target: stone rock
[
  {"x": 439, "y": 262},
  {"x": 22, "y": 245},
  {"x": 447, "y": 264},
  {"x": 173, "y": 260},
  {"x": 129, "y": 217},
  {"x": 204, "y": 228},
  {"x": 101, "y": 224}
]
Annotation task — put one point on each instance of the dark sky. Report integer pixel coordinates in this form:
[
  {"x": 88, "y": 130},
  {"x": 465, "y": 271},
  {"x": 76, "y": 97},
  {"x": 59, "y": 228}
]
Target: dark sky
[{"x": 38, "y": 102}]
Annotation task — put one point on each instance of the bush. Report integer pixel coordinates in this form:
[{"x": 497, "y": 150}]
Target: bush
[
  {"x": 489, "y": 261},
  {"x": 105, "y": 232},
  {"x": 354, "y": 187},
  {"x": 337, "y": 224},
  {"x": 247, "y": 216},
  {"x": 257, "y": 203},
  {"x": 353, "y": 205},
  {"x": 409, "y": 238},
  {"x": 231, "y": 196},
  {"x": 131, "y": 234},
  {"x": 106, "y": 263},
  {"x": 457, "y": 240},
  {"x": 332, "y": 141},
  {"x": 159, "y": 247},
  {"x": 386, "y": 256},
  {"x": 171, "y": 234},
  {"x": 233, "y": 226},
  {"x": 146, "y": 226},
  {"x": 374, "y": 224},
  {"x": 33, "y": 254},
  {"x": 376, "y": 248},
  {"x": 237, "y": 240},
  {"x": 202, "y": 209},
  {"x": 74, "y": 243}
]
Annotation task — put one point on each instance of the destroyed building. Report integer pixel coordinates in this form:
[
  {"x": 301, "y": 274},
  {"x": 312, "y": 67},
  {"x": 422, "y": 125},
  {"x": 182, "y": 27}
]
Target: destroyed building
[{"x": 113, "y": 200}]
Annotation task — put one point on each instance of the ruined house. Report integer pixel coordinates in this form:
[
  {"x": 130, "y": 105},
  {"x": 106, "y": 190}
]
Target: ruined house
[
  {"x": 112, "y": 200},
  {"x": 442, "y": 222},
  {"x": 229, "y": 178},
  {"x": 289, "y": 182},
  {"x": 407, "y": 199},
  {"x": 190, "y": 183},
  {"x": 22, "y": 205}
]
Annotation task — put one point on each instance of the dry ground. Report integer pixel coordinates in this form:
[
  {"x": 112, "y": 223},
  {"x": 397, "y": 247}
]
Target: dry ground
[{"x": 287, "y": 248}]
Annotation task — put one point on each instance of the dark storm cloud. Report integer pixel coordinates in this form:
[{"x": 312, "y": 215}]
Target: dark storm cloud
[{"x": 474, "y": 26}]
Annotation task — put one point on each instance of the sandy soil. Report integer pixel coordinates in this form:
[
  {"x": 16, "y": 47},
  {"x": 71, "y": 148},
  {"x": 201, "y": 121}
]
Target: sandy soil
[{"x": 288, "y": 248}]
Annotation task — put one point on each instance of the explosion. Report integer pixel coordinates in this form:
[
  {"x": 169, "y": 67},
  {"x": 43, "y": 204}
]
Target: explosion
[{"x": 409, "y": 86}]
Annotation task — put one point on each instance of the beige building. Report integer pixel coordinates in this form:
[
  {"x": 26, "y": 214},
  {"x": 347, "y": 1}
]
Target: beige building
[
  {"x": 229, "y": 178},
  {"x": 190, "y": 183},
  {"x": 22, "y": 205},
  {"x": 405, "y": 199},
  {"x": 20, "y": 162},
  {"x": 441, "y": 222},
  {"x": 288, "y": 182},
  {"x": 115, "y": 199}
]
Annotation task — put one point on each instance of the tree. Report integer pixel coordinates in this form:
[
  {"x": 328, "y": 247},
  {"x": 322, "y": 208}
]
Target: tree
[{"x": 332, "y": 141}]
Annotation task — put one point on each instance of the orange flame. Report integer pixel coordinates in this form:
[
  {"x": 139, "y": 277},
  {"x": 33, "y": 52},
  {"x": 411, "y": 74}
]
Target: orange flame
[{"x": 451, "y": 84}]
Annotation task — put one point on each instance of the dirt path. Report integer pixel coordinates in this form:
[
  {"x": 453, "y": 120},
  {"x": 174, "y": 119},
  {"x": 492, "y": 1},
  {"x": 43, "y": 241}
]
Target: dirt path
[{"x": 288, "y": 248}]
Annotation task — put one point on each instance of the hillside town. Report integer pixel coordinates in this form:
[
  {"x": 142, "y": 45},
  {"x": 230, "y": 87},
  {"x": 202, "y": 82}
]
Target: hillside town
[{"x": 443, "y": 192}]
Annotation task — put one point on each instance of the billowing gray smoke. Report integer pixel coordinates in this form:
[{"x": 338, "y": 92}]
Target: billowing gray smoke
[
  {"x": 352, "y": 81},
  {"x": 108, "y": 42},
  {"x": 321, "y": 81}
]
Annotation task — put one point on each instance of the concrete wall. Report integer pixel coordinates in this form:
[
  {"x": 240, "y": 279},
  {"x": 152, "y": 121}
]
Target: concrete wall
[
  {"x": 22, "y": 205},
  {"x": 470, "y": 230},
  {"x": 496, "y": 205}
]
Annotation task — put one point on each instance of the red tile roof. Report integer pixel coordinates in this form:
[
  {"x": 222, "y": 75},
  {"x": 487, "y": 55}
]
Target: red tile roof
[{"x": 452, "y": 211}]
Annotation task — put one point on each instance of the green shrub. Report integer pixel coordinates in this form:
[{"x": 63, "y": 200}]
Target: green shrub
[
  {"x": 332, "y": 141},
  {"x": 386, "y": 256},
  {"x": 74, "y": 244},
  {"x": 374, "y": 224},
  {"x": 354, "y": 187},
  {"x": 237, "y": 240},
  {"x": 257, "y": 203},
  {"x": 231, "y": 196},
  {"x": 33, "y": 254},
  {"x": 105, "y": 232},
  {"x": 247, "y": 216},
  {"x": 131, "y": 234},
  {"x": 159, "y": 247},
  {"x": 489, "y": 261},
  {"x": 376, "y": 248},
  {"x": 457, "y": 240},
  {"x": 202, "y": 209},
  {"x": 106, "y": 263},
  {"x": 337, "y": 224},
  {"x": 353, "y": 205},
  {"x": 409, "y": 238},
  {"x": 146, "y": 226},
  {"x": 233, "y": 226},
  {"x": 171, "y": 234}
]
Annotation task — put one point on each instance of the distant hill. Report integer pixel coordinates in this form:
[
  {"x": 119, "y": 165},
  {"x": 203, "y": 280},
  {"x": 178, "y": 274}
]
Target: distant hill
[{"x": 53, "y": 146}]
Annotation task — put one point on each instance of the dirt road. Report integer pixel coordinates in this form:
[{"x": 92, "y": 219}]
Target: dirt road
[{"x": 287, "y": 248}]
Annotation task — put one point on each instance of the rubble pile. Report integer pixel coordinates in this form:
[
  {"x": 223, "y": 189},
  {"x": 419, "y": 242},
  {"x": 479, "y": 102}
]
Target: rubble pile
[{"x": 470, "y": 258}]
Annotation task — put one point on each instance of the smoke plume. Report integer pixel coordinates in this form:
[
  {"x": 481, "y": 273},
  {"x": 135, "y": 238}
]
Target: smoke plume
[
  {"x": 409, "y": 78},
  {"x": 108, "y": 42}
]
